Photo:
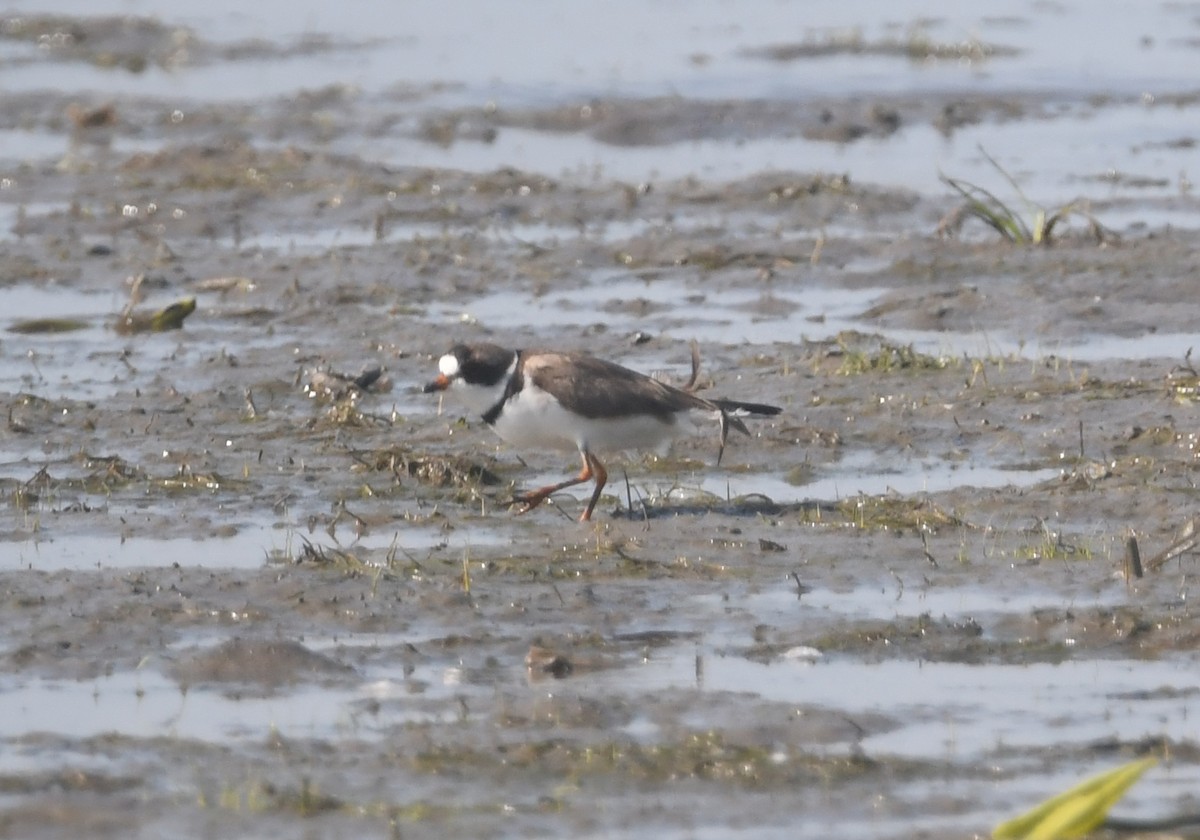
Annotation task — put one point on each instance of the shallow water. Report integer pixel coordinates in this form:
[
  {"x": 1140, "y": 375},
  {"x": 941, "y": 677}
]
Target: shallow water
[
  {"x": 685, "y": 309},
  {"x": 860, "y": 474},
  {"x": 992, "y": 707},
  {"x": 1133, "y": 56}
]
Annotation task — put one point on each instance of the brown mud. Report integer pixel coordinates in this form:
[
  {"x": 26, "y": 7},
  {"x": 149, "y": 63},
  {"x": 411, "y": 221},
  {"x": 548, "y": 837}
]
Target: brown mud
[{"x": 493, "y": 674}]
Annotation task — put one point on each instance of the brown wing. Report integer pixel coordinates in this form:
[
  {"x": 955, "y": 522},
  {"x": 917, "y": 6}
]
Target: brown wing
[{"x": 597, "y": 388}]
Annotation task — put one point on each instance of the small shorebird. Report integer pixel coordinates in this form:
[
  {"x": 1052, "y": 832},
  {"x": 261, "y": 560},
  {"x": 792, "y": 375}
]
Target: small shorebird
[{"x": 545, "y": 398}]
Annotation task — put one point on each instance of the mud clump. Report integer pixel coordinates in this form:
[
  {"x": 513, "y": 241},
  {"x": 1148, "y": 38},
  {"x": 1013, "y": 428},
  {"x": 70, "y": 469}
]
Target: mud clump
[{"x": 257, "y": 664}]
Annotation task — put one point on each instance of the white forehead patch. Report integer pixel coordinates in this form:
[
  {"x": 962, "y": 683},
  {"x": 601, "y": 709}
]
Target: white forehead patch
[{"x": 448, "y": 366}]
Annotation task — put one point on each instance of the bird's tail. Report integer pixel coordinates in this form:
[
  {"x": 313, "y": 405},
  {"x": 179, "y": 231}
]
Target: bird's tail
[
  {"x": 732, "y": 412},
  {"x": 742, "y": 409}
]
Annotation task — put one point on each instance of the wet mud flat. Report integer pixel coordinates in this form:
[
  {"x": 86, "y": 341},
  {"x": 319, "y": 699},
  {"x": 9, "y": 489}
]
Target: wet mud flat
[{"x": 258, "y": 584}]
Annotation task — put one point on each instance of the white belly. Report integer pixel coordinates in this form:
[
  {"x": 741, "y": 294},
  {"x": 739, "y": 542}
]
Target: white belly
[{"x": 535, "y": 420}]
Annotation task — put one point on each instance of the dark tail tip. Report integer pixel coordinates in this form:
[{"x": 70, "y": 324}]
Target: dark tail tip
[{"x": 758, "y": 409}]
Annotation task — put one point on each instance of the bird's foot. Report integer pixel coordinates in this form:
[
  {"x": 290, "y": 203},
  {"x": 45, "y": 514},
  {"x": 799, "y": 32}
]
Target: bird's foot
[{"x": 525, "y": 502}]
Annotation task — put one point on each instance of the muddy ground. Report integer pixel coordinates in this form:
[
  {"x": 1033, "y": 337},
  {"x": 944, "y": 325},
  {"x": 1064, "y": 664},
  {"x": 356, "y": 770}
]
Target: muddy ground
[{"x": 494, "y": 674}]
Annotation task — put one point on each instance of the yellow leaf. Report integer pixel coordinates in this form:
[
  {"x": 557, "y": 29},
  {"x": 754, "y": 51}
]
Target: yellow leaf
[
  {"x": 1077, "y": 811},
  {"x": 169, "y": 318},
  {"x": 172, "y": 317}
]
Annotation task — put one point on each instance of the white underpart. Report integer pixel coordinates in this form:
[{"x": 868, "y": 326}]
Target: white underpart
[{"x": 535, "y": 420}]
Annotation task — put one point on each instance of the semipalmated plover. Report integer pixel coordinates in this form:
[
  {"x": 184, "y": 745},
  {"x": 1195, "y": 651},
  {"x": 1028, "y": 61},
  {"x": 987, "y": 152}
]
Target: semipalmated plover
[{"x": 545, "y": 398}]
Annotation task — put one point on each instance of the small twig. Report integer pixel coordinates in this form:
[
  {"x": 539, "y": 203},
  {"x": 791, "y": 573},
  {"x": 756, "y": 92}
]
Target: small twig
[
  {"x": 925, "y": 546},
  {"x": 690, "y": 387},
  {"x": 1161, "y": 824},
  {"x": 135, "y": 294},
  {"x": 1133, "y": 559},
  {"x": 561, "y": 509},
  {"x": 801, "y": 587},
  {"x": 1184, "y": 541}
]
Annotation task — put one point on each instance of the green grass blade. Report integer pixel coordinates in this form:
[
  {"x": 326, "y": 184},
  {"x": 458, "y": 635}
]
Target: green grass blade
[
  {"x": 1041, "y": 230},
  {"x": 1029, "y": 205},
  {"x": 987, "y": 207},
  {"x": 1057, "y": 216},
  {"x": 1077, "y": 811}
]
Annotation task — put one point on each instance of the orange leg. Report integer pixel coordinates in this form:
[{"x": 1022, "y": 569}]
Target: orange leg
[
  {"x": 592, "y": 469},
  {"x": 601, "y": 476}
]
